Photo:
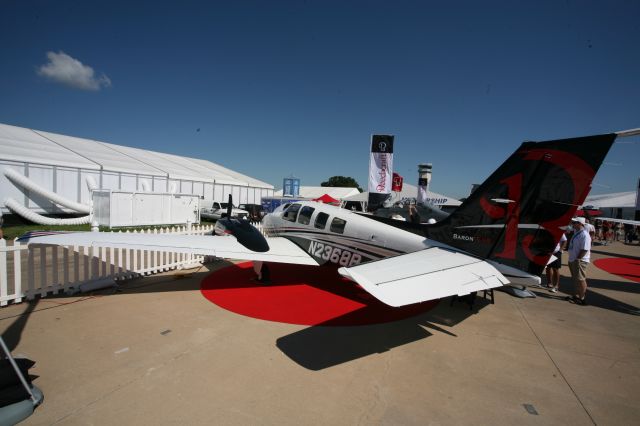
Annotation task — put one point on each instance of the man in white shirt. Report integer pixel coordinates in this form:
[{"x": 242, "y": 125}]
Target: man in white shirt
[{"x": 579, "y": 255}]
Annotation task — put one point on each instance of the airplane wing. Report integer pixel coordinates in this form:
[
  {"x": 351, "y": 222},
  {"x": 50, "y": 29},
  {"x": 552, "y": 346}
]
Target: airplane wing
[
  {"x": 424, "y": 275},
  {"x": 280, "y": 249},
  {"x": 623, "y": 221}
]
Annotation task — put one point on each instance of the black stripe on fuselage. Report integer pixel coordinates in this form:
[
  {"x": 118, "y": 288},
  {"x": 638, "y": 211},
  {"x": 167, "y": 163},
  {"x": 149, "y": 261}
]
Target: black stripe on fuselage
[{"x": 360, "y": 245}]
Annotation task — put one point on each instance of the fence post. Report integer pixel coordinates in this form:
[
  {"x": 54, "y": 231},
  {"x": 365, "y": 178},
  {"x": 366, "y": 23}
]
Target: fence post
[
  {"x": 43, "y": 271},
  {"x": 147, "y": 266},
  {"x": 76, "y": 264},
  {"x": 54, "y": 278},
  {"x": 120, "y": 268},
  {"x": 3, "y": 272},
  {"x": 65, "y": 273},
  {"x": 17, "y": 271},
  {"x": 127, "y": 258},
  {"x": 135, "y": 256},
  {"x": 112, "y": 261},
  {"x": 31, "y": 278},
  {"x": 156, "y": 255}
]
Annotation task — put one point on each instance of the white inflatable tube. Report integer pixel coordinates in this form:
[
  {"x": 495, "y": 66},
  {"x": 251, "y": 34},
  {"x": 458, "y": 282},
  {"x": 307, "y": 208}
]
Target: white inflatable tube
[
  {"x": 18, "y": 208},
  {"x": 25, "y": 182},
  {"x": 91, "y": 183},
  {"x": 146, "y": 186}
]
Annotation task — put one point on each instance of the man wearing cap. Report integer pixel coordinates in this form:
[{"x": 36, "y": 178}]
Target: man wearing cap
[{"x": 579, "y": 255}]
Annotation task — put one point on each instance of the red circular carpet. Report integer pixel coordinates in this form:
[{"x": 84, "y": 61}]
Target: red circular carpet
[
  {"x": 622, "y": 266},
  {"x": 308, "y": 295}
]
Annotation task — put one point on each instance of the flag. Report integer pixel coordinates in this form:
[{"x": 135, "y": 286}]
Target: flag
[
  {"x": 380, "y": 169},
  {"x": 381, "y": 164},
  {"x": 397, "y": 183}
]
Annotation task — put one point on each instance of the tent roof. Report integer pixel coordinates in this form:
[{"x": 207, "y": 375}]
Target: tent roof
[
  {"x": 220, "y": 173},
  {"x": 172, "y": 165},
  {"x": 39, "y": 147},
  {"x": 361, "y": 196},
  {"x": 102, "y": 154},
  {"x": 616, "y": 199},
  {"x": 317, "y": 191},
  {"x": 410, "y": 191},
  {"x": 327, "y": 199},
  {"x": 25, "y": 145}
]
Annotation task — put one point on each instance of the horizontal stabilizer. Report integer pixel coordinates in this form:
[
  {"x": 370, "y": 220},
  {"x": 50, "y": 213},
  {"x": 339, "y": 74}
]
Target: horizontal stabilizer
[
  {"x": 227, "y": 247},
  {"x": 424, "y": 275}
]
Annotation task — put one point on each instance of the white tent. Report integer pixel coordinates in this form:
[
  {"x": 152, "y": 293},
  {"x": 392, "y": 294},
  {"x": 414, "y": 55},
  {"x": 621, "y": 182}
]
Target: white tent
[
  {"x": 311, "y": 192},
  {"x": 61, "y": 164},
  {"x": 411, "y": 192},
  {"x": 618, "y": 204},
  {"x": 616, "y": 200}
]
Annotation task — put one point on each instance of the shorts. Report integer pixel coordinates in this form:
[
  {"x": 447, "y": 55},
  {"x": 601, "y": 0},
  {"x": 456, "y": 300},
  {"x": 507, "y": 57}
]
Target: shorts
[
  {"x": 556, "y": 264},
  {"x": 578, "y": 270}
]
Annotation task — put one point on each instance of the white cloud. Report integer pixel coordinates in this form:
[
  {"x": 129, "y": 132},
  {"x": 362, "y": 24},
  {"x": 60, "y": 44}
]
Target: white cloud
[{"x": 66, "y": 70}]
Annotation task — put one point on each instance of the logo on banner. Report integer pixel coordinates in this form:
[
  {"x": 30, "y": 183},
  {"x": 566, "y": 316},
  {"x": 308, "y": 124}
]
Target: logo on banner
[
  {"x": 381, "y": 164},
  {"x": 397, "y": 183},
  {"x": 382, "y": 174}
]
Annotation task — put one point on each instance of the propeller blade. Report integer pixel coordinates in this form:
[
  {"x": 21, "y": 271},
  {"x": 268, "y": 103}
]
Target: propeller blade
[
  {"x": 246, "y": 234},
  {"x": 229, "y": 207}
]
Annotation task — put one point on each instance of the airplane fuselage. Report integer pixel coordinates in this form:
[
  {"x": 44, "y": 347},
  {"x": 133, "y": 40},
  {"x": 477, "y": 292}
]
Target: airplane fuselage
[{"x": 333, "y": 235}]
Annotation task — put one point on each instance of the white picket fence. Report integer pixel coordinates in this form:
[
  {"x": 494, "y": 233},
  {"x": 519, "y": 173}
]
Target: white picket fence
[{"x": 41, "y": 270}]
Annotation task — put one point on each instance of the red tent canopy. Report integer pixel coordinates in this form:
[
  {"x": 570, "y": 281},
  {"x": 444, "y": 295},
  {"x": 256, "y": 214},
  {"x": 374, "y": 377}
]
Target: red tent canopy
[
  {"x": 327, "y": 199},
  {"x": 590, "y": 212}
]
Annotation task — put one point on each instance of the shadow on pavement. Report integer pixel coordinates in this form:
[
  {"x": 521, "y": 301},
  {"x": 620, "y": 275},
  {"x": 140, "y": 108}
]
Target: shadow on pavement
[
  {"x": 319, "y": 347},
  {"x": 13, "y": 333},
  {"x": 593, "y": 297}
]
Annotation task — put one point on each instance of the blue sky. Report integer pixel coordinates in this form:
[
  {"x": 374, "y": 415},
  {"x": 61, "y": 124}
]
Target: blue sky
[{"x": 274, "y": 88}]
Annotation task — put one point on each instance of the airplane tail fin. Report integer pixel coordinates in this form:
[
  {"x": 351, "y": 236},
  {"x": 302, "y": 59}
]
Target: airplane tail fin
[{"x": 517, "y": 216}]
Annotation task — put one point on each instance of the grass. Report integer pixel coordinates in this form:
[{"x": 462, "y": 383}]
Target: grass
[{"x": 14, "y": 231}]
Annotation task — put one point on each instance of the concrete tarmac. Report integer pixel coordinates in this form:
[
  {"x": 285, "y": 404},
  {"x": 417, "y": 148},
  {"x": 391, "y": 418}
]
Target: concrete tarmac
[{"x": 159, "y": 353}]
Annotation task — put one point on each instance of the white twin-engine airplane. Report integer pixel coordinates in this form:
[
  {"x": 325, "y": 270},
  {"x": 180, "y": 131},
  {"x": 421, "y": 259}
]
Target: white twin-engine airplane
[{"x": 505, "y": 232}]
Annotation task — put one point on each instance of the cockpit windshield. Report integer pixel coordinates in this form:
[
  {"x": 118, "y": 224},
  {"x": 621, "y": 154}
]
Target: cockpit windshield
[{"x": 291, "y": 212}]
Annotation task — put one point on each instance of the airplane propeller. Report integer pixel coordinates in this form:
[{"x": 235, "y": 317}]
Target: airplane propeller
[
  {"x": 229, "y": 206},
  {"x": 246, "y": 234}
]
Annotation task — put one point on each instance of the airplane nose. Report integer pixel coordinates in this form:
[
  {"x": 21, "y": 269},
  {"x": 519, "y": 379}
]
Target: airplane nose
[{"x": 246, "y": 234}]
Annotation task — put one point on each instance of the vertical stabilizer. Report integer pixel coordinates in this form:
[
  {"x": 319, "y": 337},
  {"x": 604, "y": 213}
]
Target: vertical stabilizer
[{"x": 518, "y": 214}]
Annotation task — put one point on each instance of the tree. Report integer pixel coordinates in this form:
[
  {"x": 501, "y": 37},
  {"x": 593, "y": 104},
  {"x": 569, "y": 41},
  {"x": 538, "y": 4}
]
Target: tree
[{"x": 342, "y": 182}]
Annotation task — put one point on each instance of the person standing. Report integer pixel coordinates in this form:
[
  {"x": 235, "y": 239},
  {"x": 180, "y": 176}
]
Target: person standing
[
  {"x": 591, "y": 229},
  {"x": 553, "y": 269},
  {"x": 263, "y": 275},
  {"x": 605, "y": 232},
  {"x": 579, "y": 256},
  {"x": 414, "y": 216}
]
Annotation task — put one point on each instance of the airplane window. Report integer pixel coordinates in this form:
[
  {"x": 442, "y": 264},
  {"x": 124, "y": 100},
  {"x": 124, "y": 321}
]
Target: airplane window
[
  {"x": 321, "y": 220},
  {"x": 305, "y": 215},
  {"x": 337, "y": 225},
  {"x": 291, "y": 213}
]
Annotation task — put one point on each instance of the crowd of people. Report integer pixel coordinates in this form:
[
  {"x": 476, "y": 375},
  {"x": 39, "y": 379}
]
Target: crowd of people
[
  {"x": 577, "y": 242},
  {"x": 606, "y": 232}
]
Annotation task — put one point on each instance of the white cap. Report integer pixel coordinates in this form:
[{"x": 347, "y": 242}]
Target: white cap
[{"x": 579, "y": 219}]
